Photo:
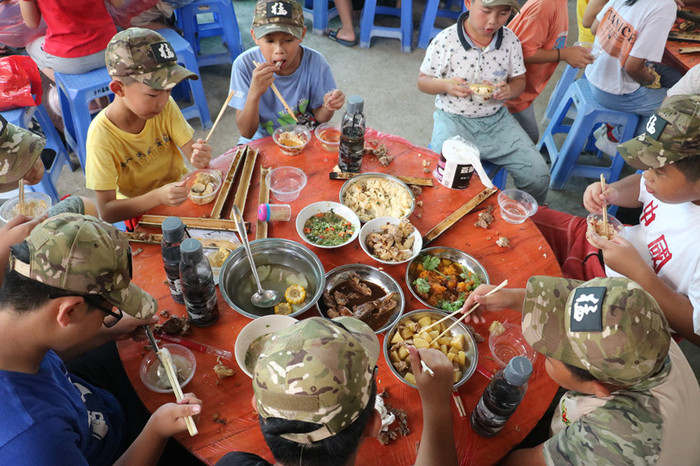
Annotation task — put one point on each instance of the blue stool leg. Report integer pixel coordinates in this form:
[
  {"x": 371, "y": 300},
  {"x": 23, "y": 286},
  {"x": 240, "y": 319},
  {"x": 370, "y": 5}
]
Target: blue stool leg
[
  {"x": 406, "y": 26},
  {"x": 367, "y": 22},
  {"x": 567, "y": 77},
  {"x": 427, "y": 22}
]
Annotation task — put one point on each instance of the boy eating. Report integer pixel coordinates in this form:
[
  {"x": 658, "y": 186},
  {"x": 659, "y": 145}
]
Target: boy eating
[
  {"x": 134, "y": 161},
  {"x": 300, "y": 74}
]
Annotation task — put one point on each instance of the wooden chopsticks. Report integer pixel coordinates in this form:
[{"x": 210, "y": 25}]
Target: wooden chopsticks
[
  {"x": 21, "y": 196},
  {"x": 605, "y": 207},
  {"x": 170, "y": 371},
  {"x": 279, "y": 96},
  {"x": 221, "y": 113},
  {"x": 458, "y": 402}
]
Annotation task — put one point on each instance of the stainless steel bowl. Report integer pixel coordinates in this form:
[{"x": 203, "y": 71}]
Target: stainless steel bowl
[
  {"x": 384, "y": 176},
  {"x": 472, "y": 352},
  {"x": 372, "y": 275},
  {"x": 462, "y": 258},
  {"x": 236, "y": 283}
]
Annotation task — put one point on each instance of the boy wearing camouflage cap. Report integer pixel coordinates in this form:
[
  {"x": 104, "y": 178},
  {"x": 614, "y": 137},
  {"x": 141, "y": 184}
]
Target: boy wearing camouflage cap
[
  {"x": 302, "y": 76},
  {"x": 314, "y": 390},
  {"x": 68, "y": 289},
  {"x": 632, "y": 398},
  {"x": 133, "y": 146},
  {"x": 660, "y": 253}
]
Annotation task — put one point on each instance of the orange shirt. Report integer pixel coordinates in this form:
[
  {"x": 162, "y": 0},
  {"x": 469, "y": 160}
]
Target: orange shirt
[{"x": 541, "y": 24}]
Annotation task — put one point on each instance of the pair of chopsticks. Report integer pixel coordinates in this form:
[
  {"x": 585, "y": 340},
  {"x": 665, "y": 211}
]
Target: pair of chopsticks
[
  {"x": 167, "y": 362},
  {"x": 279, "y": 96},
  {"x": 21, "y": 196},
  {"x": 605, "y": 207},
  {"x": 503, "y": 284},
  {"x": 458, "y": 402}
]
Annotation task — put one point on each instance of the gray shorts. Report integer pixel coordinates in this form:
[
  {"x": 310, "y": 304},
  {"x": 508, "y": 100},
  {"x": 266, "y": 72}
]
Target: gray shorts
[{"x": 78, "y": 65}]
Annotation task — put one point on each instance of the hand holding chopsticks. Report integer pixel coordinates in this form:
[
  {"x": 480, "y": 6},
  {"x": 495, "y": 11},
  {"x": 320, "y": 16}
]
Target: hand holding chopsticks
[{"x": 279, "y": 96}]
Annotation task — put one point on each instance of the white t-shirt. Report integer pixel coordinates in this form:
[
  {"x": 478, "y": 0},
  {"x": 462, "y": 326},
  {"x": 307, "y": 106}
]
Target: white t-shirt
[
  {"x": 639, "y": 31},
  {"x": 452, "y": 54},
  {"x": 666, "y": 238},
  {"x": 688, "y": 85},
  {"x": 654, "y": 422}
]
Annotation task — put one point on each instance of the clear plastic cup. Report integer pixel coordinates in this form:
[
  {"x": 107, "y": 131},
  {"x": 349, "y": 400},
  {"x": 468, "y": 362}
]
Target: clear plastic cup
[
  {"x": 516, "y": 205},
  {"x": 595, "y": 226},
  {"x": 286, "y": 183}
]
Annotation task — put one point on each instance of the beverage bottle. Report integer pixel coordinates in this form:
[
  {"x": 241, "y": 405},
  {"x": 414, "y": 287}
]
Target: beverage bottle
[
  {"x": 198, "y": 288},
  {"x": 173, "y": 234},
  {"x": 501, "y": 397},
  {"x": 352, "y": 136}
]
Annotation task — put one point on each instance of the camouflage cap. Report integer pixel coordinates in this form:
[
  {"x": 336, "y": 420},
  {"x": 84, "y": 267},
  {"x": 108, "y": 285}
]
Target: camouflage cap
[
  {"x": 511, "y": 3},
  {"x": 278, "y": 16},
  {"x": 145, "y": 55},
  {"x": 82, "y": 254},
  {"x": 610, "y": 327},
  {"x": 317, "y": 371},
  {"x": 671, "y": 134},
  {"x": 19, "y": 149}
]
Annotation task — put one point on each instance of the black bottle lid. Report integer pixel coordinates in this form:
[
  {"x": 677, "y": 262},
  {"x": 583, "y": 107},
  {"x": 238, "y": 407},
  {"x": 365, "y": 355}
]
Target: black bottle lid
[
  {"x": 355, "y": 104},
  {"x": 191, "y": 250},
  {"x": 173, "y": 229}
]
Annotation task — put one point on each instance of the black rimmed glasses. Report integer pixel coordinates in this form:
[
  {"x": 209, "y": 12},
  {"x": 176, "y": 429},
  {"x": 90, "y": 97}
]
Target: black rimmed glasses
[{"x": 112, "y": 313}]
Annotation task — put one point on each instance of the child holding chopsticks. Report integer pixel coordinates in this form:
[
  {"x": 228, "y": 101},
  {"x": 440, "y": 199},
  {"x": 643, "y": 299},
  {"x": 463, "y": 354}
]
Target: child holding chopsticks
[{"x": 281, "y": 82}]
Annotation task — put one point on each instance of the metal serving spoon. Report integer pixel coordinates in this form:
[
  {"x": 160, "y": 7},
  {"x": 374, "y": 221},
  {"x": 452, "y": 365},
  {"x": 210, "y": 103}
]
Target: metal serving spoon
[{"x": 263, "y": 298}]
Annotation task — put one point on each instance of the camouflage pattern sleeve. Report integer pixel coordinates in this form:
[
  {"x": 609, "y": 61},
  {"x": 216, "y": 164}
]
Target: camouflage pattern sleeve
[{"x": 629, "y": 426}]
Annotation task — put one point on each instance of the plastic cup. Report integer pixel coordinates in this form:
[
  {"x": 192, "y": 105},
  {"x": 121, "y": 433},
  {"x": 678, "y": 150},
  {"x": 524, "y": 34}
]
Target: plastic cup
[
  {"x": 595, "y": 226},
  {"x": 286, "y": 183},
  {"x": 593, "y": 48},
  {"x": 516, "y": 205},
  {"x": 509, "y": 344}
]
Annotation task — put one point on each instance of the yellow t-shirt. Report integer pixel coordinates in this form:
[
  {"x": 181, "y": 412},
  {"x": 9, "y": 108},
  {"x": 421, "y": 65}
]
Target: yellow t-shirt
[
  {"x": 584, "y": 34},
  {"x": 134, "y": 164}
]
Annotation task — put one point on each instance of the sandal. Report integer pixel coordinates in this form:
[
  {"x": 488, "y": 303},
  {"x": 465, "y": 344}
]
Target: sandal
[{"x": 333, "y": 35}]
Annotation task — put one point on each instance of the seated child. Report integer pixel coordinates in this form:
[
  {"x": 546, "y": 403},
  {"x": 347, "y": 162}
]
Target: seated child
[
  {"x": 314, "y": 390},
  {"x": 133, "y": 148},
  {"x": 633, "y": 398},
  {"x": 55, "y": 305},
  {"x": 660, "y": 253},
  {"x": 301, "y": 74},
  {"x": 480, "y": 49}
]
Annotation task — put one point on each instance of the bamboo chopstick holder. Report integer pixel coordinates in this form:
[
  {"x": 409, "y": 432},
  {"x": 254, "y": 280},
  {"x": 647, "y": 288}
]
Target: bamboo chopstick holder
[
  {"x": 279, "y": 96},
  {"x": 221, "y": 113}
]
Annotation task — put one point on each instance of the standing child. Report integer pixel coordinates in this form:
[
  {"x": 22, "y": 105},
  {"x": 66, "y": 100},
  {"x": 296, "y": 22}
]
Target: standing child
[
  {"x": 480, "y": 49},
  {"x": 301, "y": 74},
  {"x": 134, "y": 161}
]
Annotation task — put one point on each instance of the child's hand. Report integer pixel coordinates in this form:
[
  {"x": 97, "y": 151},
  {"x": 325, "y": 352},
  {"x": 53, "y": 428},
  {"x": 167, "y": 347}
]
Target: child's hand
[
  {"x": 263, "y": 77},
  {"x": 495, "y": 302},
  {"x": 36, "y": 173},
  {"x": 578, "y": 56},
  {"x": 502, "y": 91},
  {"x": 173, "y": 194},
  {"x": 436, "y": 389},
  {"x": 169, "y": 419},
  {"x": 130, "y": 327},
  {"x": 457, "y": 87},
  {"x": 619, "y": 254},
  {"x": 201, "y": 154},
  {"x": 594, "y": 198},
  {"x": 334, "y": 100},
  {"x": 18, "y": 228}
]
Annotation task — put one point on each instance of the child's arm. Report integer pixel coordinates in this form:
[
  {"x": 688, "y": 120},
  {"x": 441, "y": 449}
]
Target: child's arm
[
  {"x": 506, "y": 90},
  {"x": 13, "y": 232},
  {"x": 115, "y": 210},
  {"x": 592, "y": 10},
  {"x": 506, "y": 298},
  {"x": 453, "y": 86},
  {"x": 623, "y": 193},
  {"x": 578, "y": 57},
  {"x": 437, "y": 444},
  {"x": 332, "y": 101},
  {"x": 248, "y": 119},
  {"x": 167, "y": 421},
  {"x": 198, "y": 153},
  {"x": 30, "y": 13}
]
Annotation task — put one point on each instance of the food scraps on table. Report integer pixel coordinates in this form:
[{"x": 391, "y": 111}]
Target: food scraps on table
[
  {"x": 485, "y": 218},
  {"x": 222, "y": 370},
  {"x": 410, "y": 333},
  {"x": 502, "y": 242},
  {"x": 362, "y": 299},
  {"x": 173, "y": 326},
  {"x": 397, "y": 417},
  {"x": 374, "y": 197},
  {"x": 496, "y": 328},
  {"x": 328, "y": 229},
  {"x": 393, "y": 243},
  {"x": 444, "y": 283}
]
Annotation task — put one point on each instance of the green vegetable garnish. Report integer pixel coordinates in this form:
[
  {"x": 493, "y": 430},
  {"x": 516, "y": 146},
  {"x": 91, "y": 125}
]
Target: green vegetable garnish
[
  {"x": 431, "y": 263},
  {"x": 422, "y": 285},
  {"x": 452, "y": 306}
]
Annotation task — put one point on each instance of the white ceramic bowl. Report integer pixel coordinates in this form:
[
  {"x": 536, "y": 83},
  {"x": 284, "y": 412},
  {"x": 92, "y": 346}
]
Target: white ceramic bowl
[
  {"x": 32, "y": 200},
  {"x": 375, "y": 225},
  {"x": 286, "y": 183},
  {"x": 252, "y": 331},
  {"x": 326, "y": 206},
  {"x": 183, "y": 360}
]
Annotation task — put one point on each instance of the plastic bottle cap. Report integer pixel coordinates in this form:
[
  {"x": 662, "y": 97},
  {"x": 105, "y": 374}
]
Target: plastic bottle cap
[
  {"x": 355, "y": 104},
  {"x": 264, "y": 212},
  {"x": 191, "y": 249},
  {"x": 173, "y": 229},
  {"x": 518, "y": 370}
]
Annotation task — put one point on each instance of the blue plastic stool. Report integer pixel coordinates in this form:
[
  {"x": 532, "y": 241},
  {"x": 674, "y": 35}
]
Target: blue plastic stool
[
  {"x": 498, "y": 175},
  {"x": 210, "y": 18},
  {"x": 75, "y": 92},
  {"x": 191, "y": 90},
  {"x": 22, "y": 117},
  {"x": 567, "y": 77},
  {"x": 589, "y": 115},
  {"x": 318, "y": 12},
  {"x": 404, "y": 32},
  {"x": 430, "y": 13}
]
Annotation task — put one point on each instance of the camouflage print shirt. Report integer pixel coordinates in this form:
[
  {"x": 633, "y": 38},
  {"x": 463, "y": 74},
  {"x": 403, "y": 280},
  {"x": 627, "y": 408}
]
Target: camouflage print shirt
[{"x": 650, "y": 423}]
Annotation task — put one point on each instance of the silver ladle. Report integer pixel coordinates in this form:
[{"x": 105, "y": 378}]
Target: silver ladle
[{"x": 263, "y": 298}]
